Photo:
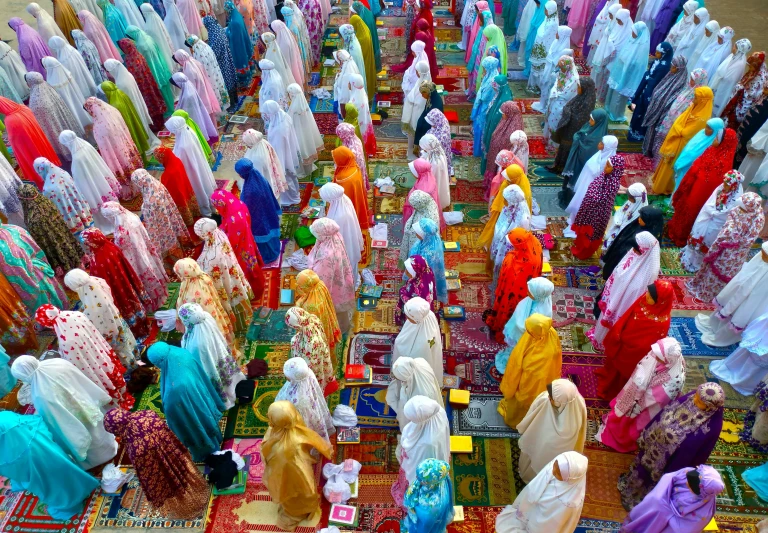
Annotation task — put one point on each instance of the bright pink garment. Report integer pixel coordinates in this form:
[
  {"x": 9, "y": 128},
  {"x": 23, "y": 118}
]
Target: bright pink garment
[
  {"x": 191, "y": 16},
  {"x": 290, "y": 49},
  {"x": 98, "y": 35},
  {"x": 329, "y": 260},
  {"x": 480, "y": 7},
  {"x": 621, "y": 432},
  {"x": 27, "y": 139},
  {"x": 115, "y": 143},
  {"x": 32, "y": 47},
  {"x": 577, "y": 21},
  {"x": 195, "y": 72},
  {"x": 425, "y": 181}
]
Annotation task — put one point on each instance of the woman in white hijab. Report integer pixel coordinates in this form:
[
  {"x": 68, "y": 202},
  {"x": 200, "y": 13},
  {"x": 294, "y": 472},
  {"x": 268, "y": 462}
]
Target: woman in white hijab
[
  {"x": 64, "y": 84},
  {"x": 414, "y": 105},
  {"x": 130, "y": 12},
  {"x": 303, "y": 390},
  {"x": 348, "y": 68},
  {"x": 626, "y": 71},
  {"x": 690, "y": 40},
  {"x": 155, "y": 27},
  {"x": 411, "y": 77},
  {"x": 92, "y": 177},
  {"x": 352, "y": 46},
  {"x": 11, "y": 62},
  {"x": 272, "y": 85},
  {"x": 72, "y": 61},
  {"x": 432, "y": 151},
  {"x": 681, "y": 27},
  {"x": 745, "y": 368},
  {"x": 715, "y": 40},
  {"x": 275, "y": 55},
  {"x": 175, "y": 24},
  {"x": 127, "y": 83},
  {"x": 187, "y": 148},
  {"x": 564, "y": 89},
  {"x": 600, "y": 27},
  {"x": 617, "y": 35},
  {"x": 46, "y": 25},
  {"x": 592, "y": 169},
  {"x": 740, "y": 302},
  {"x": 265, "y": 160},
  {"x": 546, "y": 36},
  {"x": 410, "y": 378},
  {"x": 426, "y": 436},
  {"x": 559, "y": 47},
  {"x": 359, "y": 98},
  {"x": 557, "y": 417},
  {"x": 728, "y": 75},
  {"x": 342, "y": 211},
  {"x": 420, "y": 336},
  {"x": 282, "y": 137},
  {"x": 203, "y": 339},
  {"x": 524, "y": 27},
  {"x": 307, "y": 132},
  {"x": 289, "y": 49},
  {"x": 71, "y": 406},
  {"x": 190, "y": 101},
  {"x": 99, "y": 306},
  {"x": 195, "y": 72},
  {"x": 552, "y": 501},
  {"x": 637, "y": 198}
]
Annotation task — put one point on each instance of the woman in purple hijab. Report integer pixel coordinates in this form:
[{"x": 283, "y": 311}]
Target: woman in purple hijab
[
  {"x": 682, "y": 435},
  {"x": 664, "y": 19},
  {"x": 32, "y": 47},
  {"x": 421, "y": 283},
  {"x": 682, "y": 502}
]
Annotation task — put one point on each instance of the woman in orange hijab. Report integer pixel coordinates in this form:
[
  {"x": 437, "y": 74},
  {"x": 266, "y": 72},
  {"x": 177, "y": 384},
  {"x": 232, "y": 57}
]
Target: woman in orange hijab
[
  {"x": 688, "y": 124},
  {"x": 348, "y": 175},
  {"x": 513, "y": 175},
  {"x": 521, "y": 264}
]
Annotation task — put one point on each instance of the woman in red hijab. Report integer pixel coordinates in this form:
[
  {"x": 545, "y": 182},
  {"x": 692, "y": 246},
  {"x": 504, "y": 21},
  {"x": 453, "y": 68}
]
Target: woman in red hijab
[
  {"x": 521, "y": 264},
  {"x": 698, "y": 184},
  {"x": 175, "y": 179},
  {"x": 631, "y": 338},
  {"x": 425, "y": 12},
  {"x": 109, "y": 264},
  {"x": 423, "y": 32},
  {"x": 27, "y": 139},
  {"x": 348, "y": 175}
]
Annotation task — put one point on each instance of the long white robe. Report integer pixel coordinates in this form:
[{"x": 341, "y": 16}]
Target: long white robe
[
  {"x": 420, "y": 336},
  {"x": 307, "y": 132},
  {"x": 410, "y": 378},
  {"x": 190, "y": 101},
  {"x": 426, "y": 436},
  {"x": 432, "y": 151},
  {"x": 10, "y": 60},
  {"x": 342, "y": 211},
  {"x": 46, "y": 25},
  {"x": 265, "y": 160},
  {"x": 64, "y": 84},
  {"x": 130, "y": 12},
  {"x": 175, "y": 24},
  {"x": 282, "y": 136},
  {"x": 71, "y": 60},
  {"x": 155, "y": 28},
  {"x": 188, "y": 149}
]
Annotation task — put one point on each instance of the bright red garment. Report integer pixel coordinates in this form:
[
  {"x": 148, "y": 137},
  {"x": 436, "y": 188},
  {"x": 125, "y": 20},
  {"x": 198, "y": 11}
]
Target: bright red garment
[
  {"x": 698, "y": 184},
  {"x": 425, "y": 12},
  {"x": 109, "y": 264},
  {"x": 27, "y": 139},
  {"x": 175, "y": 179},
  {"x": 521, "y": 264},
  {"x": 631, "y": 338}
]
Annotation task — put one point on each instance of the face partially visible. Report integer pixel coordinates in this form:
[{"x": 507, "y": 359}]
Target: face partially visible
[
  {"x": 733, "y": 48},
  {"x": 631, "y": 199},
  {"x": 673, "y": 69},
  {"x": 707, "y": 33},
  {"x": 592, "y": 121},
  {"x": 424, "y": 92},
  {"x": 556, "y": 471},
  {"x": 691, "y": 84},
  {"x": 180, "y": 325},
  {"x": 641, "y": 222},
  {"x": 657, "y": 55},
  {"x": 649, "y": 299},
  {"x": 720, "y": 39},
  {"x": 696, "y": 19},
  {"x": 600, "y": 145},
  {"x": 708, "y": 131}
]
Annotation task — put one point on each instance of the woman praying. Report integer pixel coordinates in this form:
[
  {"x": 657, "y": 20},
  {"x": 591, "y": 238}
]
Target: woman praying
[
  {"x": 309, "y": 343},
  {"x": 304, "y": 392},
  {"x": 411, "y": 377},
  {"x": 312, "y": 295},
  {"x": 420, "y": 337}
]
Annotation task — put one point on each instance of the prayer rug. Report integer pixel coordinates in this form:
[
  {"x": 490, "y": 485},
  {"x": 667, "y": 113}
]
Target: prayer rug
[
  {"x": 467, "y": 168},
  {"x": 250, "y": 420},
  {"x": 29, "y": 516},
  {"x": 561, "y": 255},
  {"x": 585, "y": 278},
  {"x": 271, "y": 296},
  {"x": 289, "y": 223},
  {"x": 473, "y": 335},
  {"x": 305, "y": 192},
  {"x": 476, "y": 520},
  {"x": 579, "y": 369},
  {"x": 595, "y": 417},
  {"x": 463, "y": 147},
  {"x": 395, "y": 225},
  {"x": 400, "y": 173},
  {"x": 374, "y": 349},
  {"x": 477, "y": 370},
  {"x": 327, "y": 122},
  {"x": 559, "y": 277},
  {"x": 475, "y": 214},
  {"x": 375, "y": 488},
  {"x": 467, "y": 236},
  {"x": 377, "y": 517},
  {"x": 540, "y": 176},
  {"x": 387, "y": 259},
  {"x": 670, "y": 263},
  {"x": 250, "y": 447},
  {"x": 464, "y": 192},
  {"x": 637, "y": 169},
  {"x": 729, "y": 445},
  {"x": 389, "y": 151},
  {"x": 232, "y": 150},
  {"x": 683, "y": 300},
  {"x": 472, "y": 294},
  {"x": 274, "y": 354},
  {"x": 556, "y": 225},
  {"x": 684, "y": 330},
  {"x": 487, "y": 475},
  {"x": 379, "y": 320},
  {"x": 532, "y": 125},
  {"x": 738, "y": 524},
  {"x": 626, "y": 145},
  {"x": 587, "y": 525},
  {"x": 131, "y": 510},
  {"x": 481, "y": 418},
  {"x": 376, "y": 452},
  {"x": 573, "y": 338},
  {"x": 389, "y": 205},
  {"x": 275, "y": 330},
  {"x": 390, "y": 130},
  {"x": 149, "y": 399},
  {"x": 321, "y": 106},
  {"x": 738, "y": 497},
  {"x": 697, "y": 372},
  {"x": 602, "y": 500},
  {"x": 370, "y": 405},
  {"x": 573, "y": 305}
]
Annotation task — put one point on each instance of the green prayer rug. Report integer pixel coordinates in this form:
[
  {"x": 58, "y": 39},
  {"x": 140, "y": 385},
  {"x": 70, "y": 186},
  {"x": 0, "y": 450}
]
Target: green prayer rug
[
  {"x": 250, "y": 420},
  {"x": 149, "y": 400},
  {"x": 488, "y": 475},
  {"x": 275, "y": 330},
  {"x": 475, "y": 214}
]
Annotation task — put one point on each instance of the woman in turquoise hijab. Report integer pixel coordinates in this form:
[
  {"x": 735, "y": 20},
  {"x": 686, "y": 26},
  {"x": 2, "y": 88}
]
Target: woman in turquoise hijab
[
  {"x": 494, "y": 115},
  {"x": 7, "y": 381},
  {"x": 148, "y": 48},
  {"x": 370, "y": 21},
  {"x": 429, "y": 499},
  {"x": 33, "y": 462},
  {"x": 485, "y": 96},
  {"x": 495, "y": 38},
  {"x": 239, "y": 40},
  {"x": 429, "y": 245},
  {"x": 191, "y": 403},
  {"x": 114, "y": 20},
  {"x": 696, "y": 146},
  {"x": 536, "y": 21}
]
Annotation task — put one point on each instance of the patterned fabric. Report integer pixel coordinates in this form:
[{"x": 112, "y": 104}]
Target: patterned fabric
[
  {"x": 176, "y": 182},
  {"x": 312, "y": 295},
  {"x": 346, "y": 133},
  {"x": 17, "y": 331},
  {"x": 198, "y": 287},
  {"x": 161, "y": 217},
  {"x": 309, "y": 344},
  {"x": 47, "y": 227},
  {"x": 60, "y": 189},
  {"x": 51, "y": 112},
  {"x": 442, "y": 130},
  {"x": 150, "y": 91},
  {"x": 219, "y": 43},
  {"x": 511, "y": 121},
  {"x": 204, "y": 54},
  {"x": 424, "y": 206},
  {"x": 304, "y": 391},
  {"x": 430, "y": 247},
  {"x": 421, "y": 284},
  {"x": 313, "y": 19},
  {"x": 329, "y": 260},
  {"x": 748, "y": 92},
  {"x": 169, "y": 479},
  {"x": 681, "y": 103},
  {"x": 429, "y": 498},
  {"x": 91, "y": 57}
]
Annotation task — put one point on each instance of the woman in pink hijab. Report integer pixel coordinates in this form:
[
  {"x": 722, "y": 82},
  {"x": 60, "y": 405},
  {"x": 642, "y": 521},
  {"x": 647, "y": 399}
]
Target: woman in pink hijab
[
  {"x": 27, "y": 139},
  {"x": 191, "y": 15},
  {"x": 98, "y": 35},
  {"x": 195, "y": 72},
  {"x": 290, "y": 49},
  {"x": 32, "y": 47},
  {"x": 425, "y": 181},
  {"x": 115, "y": 143}
]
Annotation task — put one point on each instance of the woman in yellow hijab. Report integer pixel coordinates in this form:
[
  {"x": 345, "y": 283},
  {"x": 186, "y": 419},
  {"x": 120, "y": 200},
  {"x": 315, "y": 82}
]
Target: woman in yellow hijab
[
  {"x": 66, "y": 19},
  {"x": 312, "y": 295},
  {"x": 366, "y": 45},
  {"x": 288, "y": 466},
  {"x": 688, "y": 124},
  {"x": 513, "y": 175},
  {"x": 535, "y": 362}
]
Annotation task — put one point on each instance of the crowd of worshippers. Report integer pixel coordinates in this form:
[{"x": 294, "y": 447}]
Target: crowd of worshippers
[{"x": 87, "y": 93}]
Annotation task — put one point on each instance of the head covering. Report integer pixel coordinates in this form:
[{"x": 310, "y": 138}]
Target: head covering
[
  {"x": 592, "y": 169},
  {"x": 439, "y": 129},
  {"x": 348, "y": 175},
  {"x": 197, "y": 287},
  {"x": 696, "y": 146},
  {"x": 156, "y": 62},
  {"x": 258, "y": 197},
  {"x": 136, "y": 80},
  {"x": 32, "y": 47},
  {"x": 627, "y": 213},
  {"x": 424, "y": 206},
  {"x": 73, "y": 62},
  {"x": 430, "y": 494},
  {"x": 14, "y": 68},
  {"x": 411, "y": 377},
  {"x": 510, "y": 123},
  {"x": 627, "y": 70},
  {"x": 281, "y": 135},
  {"x": 426, "y": 436},
  {"x": 272, "y": 85},
  {"x": 420, "y": 282},
  {"x": 618, "y": 33},
  {"x": 430, "y": 246},
  {"x": 714, "y": 50},
  {"x": 728, "y": 75},
  {"x": 203, "y": 53},
  {"x": 162, "y": 220},
  {"x": 420, "y": 336},
  {"x": 312, "y": 295},
  {"x": 189, "y": 150},
  {"x": 585, "y": 143},
  {"x": 191, "y": 102},
  {"x": 219, "y": 43},
  {"x": 514, "y": 215},
  {"x": 60, "y": 188},
  {"x": 329, "y": 260},
  {"x": 96, "y": 33},
  {"x": 265, "y": 160},
  {"x": 686, "y": 46},
  {"x": 174, "y": 179},
  {"x": 303, "y": 390},
  {"x": 309, "y": 343},
  {"x": 342, "y": 211}
]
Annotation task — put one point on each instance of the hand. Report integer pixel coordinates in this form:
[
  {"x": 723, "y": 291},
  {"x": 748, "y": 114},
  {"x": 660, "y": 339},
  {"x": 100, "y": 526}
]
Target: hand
[
  {"x": 608, "y": 167},
  {"x": 632, "y": 107}
]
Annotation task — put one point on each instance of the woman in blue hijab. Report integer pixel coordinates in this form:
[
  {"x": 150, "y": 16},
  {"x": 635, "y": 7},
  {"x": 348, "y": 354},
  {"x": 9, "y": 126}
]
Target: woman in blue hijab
[
  {"x": 429, "y": 499},
  {"x": 639, "y": 102},
  {"x": 430, "y": 246},
  {"x": 536, "y": 21},
  {"x": 494, "y": 115},
  {"x": 239, "y": 40},
  {"x": 701, "y": 141},
  {"x": 265, "y": 212},
  {"x": 191, "y": 404},
  {"x": 219, "y": 43},
  {"x": 33, "y": 462},
  {"x": 486, "y": 94}
]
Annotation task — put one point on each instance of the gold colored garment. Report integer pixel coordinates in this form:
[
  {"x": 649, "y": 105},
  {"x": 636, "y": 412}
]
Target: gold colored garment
[
  {"x": 66, "y": 19},
  {"x": 312, "y": 295}
]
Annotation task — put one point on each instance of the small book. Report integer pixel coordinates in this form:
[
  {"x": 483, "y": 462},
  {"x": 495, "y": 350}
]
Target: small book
[
  {"x": 261, "y": 315},
  {"x": 238, "y": 119},
  {"x": 348, "y": 436},
  {"x": 286, "y": 296},
  {"x": 451, "y": 382},
  {"x": 451, "y": 274},
  {"x": 163, "y": 133},
  {"x": 321, "y": 180},
  {"x": 458, "y": 398},
  {"x": 329, "y": 62},
  {"x": 366, "y": 304},
  {"x": 451, "y": 246},
  {"x": 461, "y": 444},
  {"x": 316, "y": 202},
  {"x": 371, "y": 291},
  {"x": 378, "y": 243},
  {"x": 376, "y": 119},
  {"x": 453, "y": 284},
  {"x": 366, "y": 378},
  {"x": 453, "y": 312},
  {"x": 458, "y": 513},
  {"x": 343, "y": 515},
  {"x": 356, "y": 371},
  {"x": 311, "y": 212},
  {"x": 384, "y": 103}
]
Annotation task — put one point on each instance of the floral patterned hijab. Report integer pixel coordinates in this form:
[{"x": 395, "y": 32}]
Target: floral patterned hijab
[
  {"x": 442, "y": 130},
  {"x": 328, "y": 259},
  {"x": 162, "y": 219},
  {"x": 312, "y": 295},
  {"x": 60, "y": 189},
  {"x": 197, "y": 287},
  {"x": 309, "y": 344}
]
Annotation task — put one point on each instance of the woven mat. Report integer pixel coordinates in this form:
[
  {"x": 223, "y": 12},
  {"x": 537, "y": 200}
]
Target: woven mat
[
  {"x": 683, "y": 300},
  {"x": 467, "y": 168},
  {"x": 28, "y": 516},
  {"x": 481, "y": 419},
  {"x": 473, "y": 335},
  {"x": 684, "y": 330},
  {"x": 475, "y": 213},
  {"x": 466, "y": 236},
  {"x": 376, "y": 451},
  {"x": 149, "y": 399},
  {"x": 573, "y": 305},
  {"x": 697, "y": 372},
  {"x": 275, "y": 330},
  {"x": 379, "y": 320},
  {"x": 602, "y": 499},
  {"x": 370, "y": 405},
  {"x": 374, "y": 349},
  {"x": 475, "y": 294},
  {"x": 477, "y": 370},
  {"x": 250, "y": 420},
  {"x": 488, "y": 475}
]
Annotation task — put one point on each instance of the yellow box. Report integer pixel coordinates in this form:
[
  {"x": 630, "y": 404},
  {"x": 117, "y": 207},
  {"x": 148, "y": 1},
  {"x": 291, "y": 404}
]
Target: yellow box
[
  {"x": 458, "y": 398},
  {"x": 546, "y": 268},
  {"x": 458, "y": 513},
  {"x": 451, "y": 245},
  {"x": 461, "y": 444},
  {"x": 379, "y": 22},
  {"x": 712, "y": 526}
]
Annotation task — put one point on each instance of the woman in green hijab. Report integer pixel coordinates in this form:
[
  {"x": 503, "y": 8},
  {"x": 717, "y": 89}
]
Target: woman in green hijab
[
  {"x": 147, "y": 47},
  {"x": 494, "y": 37},
  {"x": 494, "y": 115},
  {"x": 365, "y": 14},
  {"x": 198, "y": 132},
  {"x": 366, "y": 45},
  {"x": 120, "y": 101}
]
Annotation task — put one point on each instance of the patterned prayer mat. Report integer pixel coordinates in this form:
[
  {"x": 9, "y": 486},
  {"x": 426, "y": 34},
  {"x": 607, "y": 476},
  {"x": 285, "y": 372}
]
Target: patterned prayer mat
[
  {"x": 697, "y": 372},
  {"x": 370, "y": 404},
  {"x": 389, "y": 151},
  {"x": 250, "y": 447},
  {"x": 602, "y": 500},
  {"x": 683, "y": 300},
  {"x": 375, "y": 488},
  {"x": 376, "y": 451},
  {"x": 587, "y": 525},
  {"x": 390, "y": 282},
  {"x": 149, "y": 399},
  {"x": 488, "y": 475},
  {"x": 466, "y": 192},
  {"x": 28, "y": 515},
  {"x": 637, "y": 169},
  {"x": 250, "y": 420},
  {"x": 131, "y": 510},
  {"x": 399, "y": 172},
  {"x": 476, "y": 520},
  {"x": 556, "y": 225},
  {"x": 275, "y": 330},
  {"x": 738, "y": 497},
  {"x": 670, "y": 263},
  {"x": 271, "y": 296},
  {"x": 379, "y": 320},
  {"x": 274, "y": 354},
  {"x": 390, "y": 130},
  {"x": 475, "y": 213},
  {"x": 481, "y": 419},
  {"x": 289, "y": 223},
  {"x": 327, "y": 122},
  {"x": 477, "y": 370},
  {"x": 387, "y": 260},
  {"x": 729, "y": 445},
  {"x": 684, "y": 330},
  {"x": 395, "y": 225},
  {"x": 374, "y": 349},
  {"x": 473, "y": 335},
  {"x": 585, "y": 278},
  {"x": 573, "y": 338},
  {"x": 474, "y": 294},
  {"x": 467, "y": 168},
  {"x": 389, "y": 205},
  {"x": 626, "y": 145},
  {"x": 579, "y": 368},
  {"x": 561, "y": 255},
  {"x": 466, "y": 236},
  {"x": 573, "y": 305}
]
